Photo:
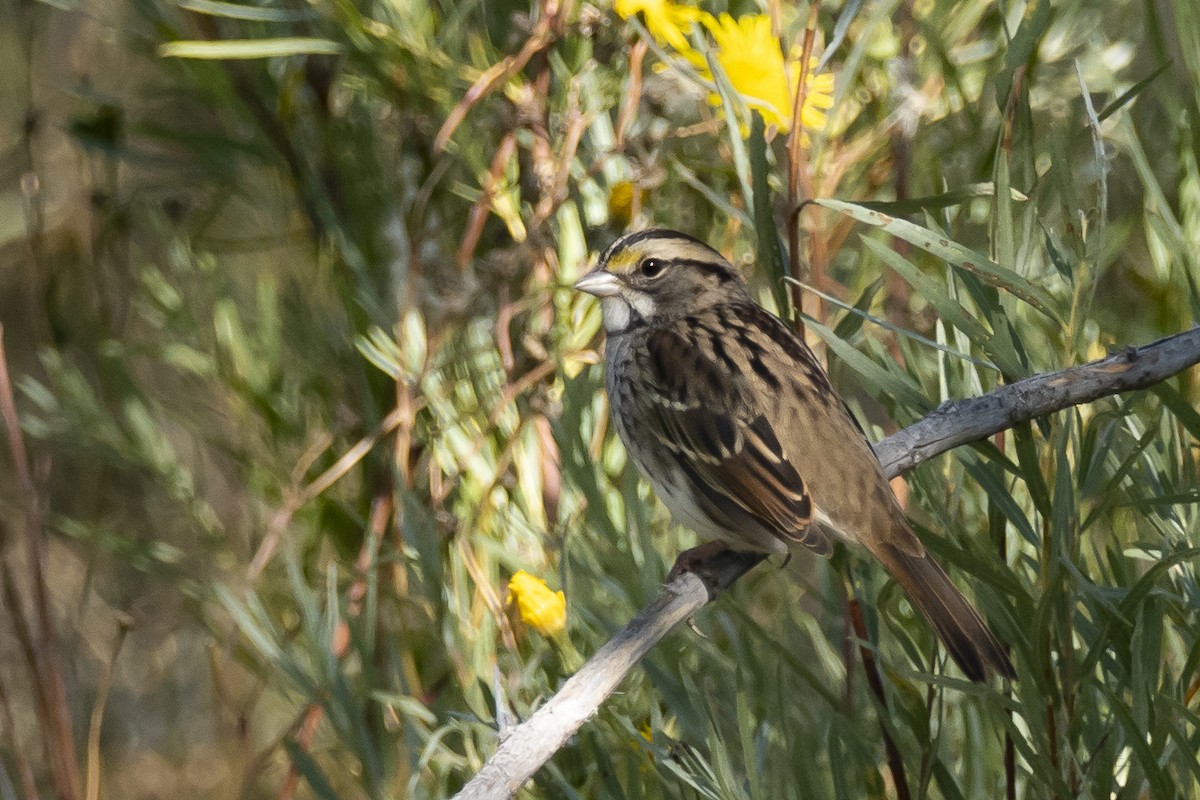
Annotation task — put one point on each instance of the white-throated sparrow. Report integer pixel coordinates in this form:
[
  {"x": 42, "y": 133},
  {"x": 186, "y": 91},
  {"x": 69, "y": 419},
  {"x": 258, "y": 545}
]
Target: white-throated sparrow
[{"x": 727, "y": 413}]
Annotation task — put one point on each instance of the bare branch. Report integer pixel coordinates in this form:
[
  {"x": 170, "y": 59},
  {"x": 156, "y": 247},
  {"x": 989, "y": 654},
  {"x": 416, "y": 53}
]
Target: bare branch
[
  {"x": 531, "y": 744},
  {"x": 969, "y": 420}
]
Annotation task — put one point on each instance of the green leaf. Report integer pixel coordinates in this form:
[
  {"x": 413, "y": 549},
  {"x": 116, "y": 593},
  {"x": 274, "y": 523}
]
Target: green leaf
[
  {"x": 992, "y": 481},
  {"x": 1021, "y": 49},
  {"x": 1131, "y": 93},
  {"x": 1109, "y": 494},
  {"x": 1184, "y": 411},
  {"x": 1003, "y": 238},
  {"x": 262, "y": 636},
  {"x": 933, "y": 291},
  {"x": 1064, "y": 511},
  {"x": 215, "y": 8},
  {"x": 856, "y": 314},
  {"x": 718, "y": 200},
  {"x": 952, "y": 253},
  {"x": 934, "y": 202},
  {"x": 1008, "y": 349},
  {"x": 850, "y": 324},
  {"x": 1031, "y": 471},
  {"x": 734, "y": 108},
  {"x": 1135, "y": 736},
  {"x": 1126, "y": 610},
  {"x": 770, "y": 252},
  {"x": 249, "y": 48},
  {"x": 945, "y": 781},
  {"x": 1178, "y": 498},
  {"x": 310, "y": 771},
  {"x": 1064, "y": 263},
  {"x": 381, "y": 350},
  {"x": 1095, "y": 233},
  {"x": 880, "y": 379},
  {"x": 845, "y": 18}
]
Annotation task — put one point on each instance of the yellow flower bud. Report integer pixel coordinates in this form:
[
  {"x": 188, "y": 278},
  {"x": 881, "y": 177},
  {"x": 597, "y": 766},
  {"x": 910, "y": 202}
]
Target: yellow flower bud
[
  {"x": 621, "y": 202},
  {"x": 540, "y": 608}
]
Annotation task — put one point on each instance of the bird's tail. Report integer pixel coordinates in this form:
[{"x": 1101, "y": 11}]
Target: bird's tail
[{"x": 967, "y": 637}]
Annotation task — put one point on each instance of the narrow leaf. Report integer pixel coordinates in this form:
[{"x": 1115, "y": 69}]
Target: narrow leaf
[
  {"x": 951, "y": 252},
  {"x": 935, "y": 202},
  {"x": 881, "y": 380},
  {"x": 947, "y": 307},
  {"x": 310, "y": 771},
  {"x": 1131, "y": 93},
  {"x": 215, "y": 8},
  {"x": 249, "y": 48},
  {"x": 770, "y": 252}
]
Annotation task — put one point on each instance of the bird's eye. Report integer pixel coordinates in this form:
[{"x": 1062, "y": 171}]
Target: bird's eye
[{"x": 652, "y": 268}]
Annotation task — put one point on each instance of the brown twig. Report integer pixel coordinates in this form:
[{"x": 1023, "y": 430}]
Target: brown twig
[
  {"x": 25, "y": 641},
  {"x": 305, "y": 733},
  {"x": 480, "y": 209},
  {"x": 551, "y": 464},
  {"x": 633, "y": 93},
  {"x": 576, "y": 125},
  {"x": 47, "y": 668},
  {"x": 298, "y": 498},
  {"x": 544, "y": 34},
  {"x": 799, "y": 179},
  {"x": 92, "y": 790},
  {"x": 506, "y": 311},
  {"x": 871, "y": 670}
]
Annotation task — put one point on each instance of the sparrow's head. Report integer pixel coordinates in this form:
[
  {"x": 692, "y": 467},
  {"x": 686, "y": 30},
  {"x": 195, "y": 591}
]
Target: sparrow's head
[{"x": 657, "y": 275}]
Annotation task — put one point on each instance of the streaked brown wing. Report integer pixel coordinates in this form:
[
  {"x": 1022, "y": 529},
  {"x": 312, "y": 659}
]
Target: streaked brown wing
[{"x": 726, "y": 446}]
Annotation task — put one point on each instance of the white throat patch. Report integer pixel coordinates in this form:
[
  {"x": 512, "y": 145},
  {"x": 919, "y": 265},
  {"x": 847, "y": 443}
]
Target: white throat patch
[
  {"x": 643, "y": 304},
  {"x": 616, "y": 313},
  {"x": 618, "y": 310}
]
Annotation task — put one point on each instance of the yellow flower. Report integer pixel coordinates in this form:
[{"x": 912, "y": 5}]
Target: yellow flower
[
  {"x": 621, "y": 202},
  {"x": 667, "y": 22},
  {"x": 753, "y": 61},
  {"x": 540, "y": 608}
]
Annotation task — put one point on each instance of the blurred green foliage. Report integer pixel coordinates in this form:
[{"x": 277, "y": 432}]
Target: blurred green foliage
[{"x": 303, "y": 387}]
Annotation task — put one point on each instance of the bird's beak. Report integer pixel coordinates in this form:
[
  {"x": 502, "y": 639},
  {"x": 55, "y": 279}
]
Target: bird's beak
[{"x": 600, "y": 283}]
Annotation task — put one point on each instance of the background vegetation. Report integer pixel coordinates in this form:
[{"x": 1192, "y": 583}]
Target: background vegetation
[{"x": 301, "y": 385}]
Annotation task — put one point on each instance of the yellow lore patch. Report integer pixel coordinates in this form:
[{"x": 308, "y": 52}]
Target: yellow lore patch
[{"x": 624, "y": 261}]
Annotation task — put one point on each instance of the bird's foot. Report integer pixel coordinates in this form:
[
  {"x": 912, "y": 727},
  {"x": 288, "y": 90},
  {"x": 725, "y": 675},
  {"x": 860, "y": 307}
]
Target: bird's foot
[
  {"x": 696, "y": 559},
  {"x": 716, "y": 564}
]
